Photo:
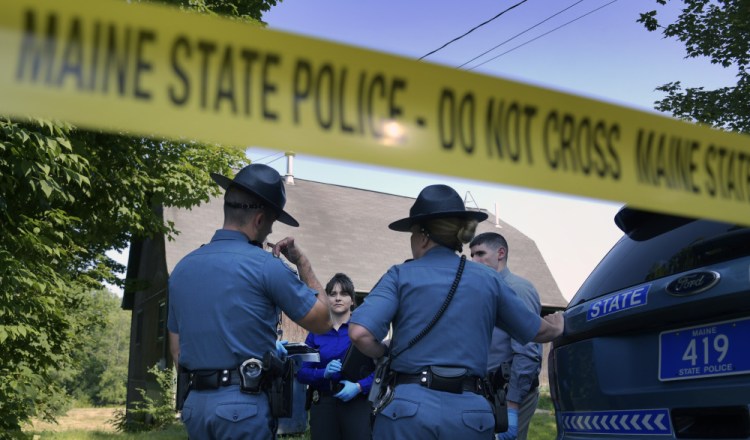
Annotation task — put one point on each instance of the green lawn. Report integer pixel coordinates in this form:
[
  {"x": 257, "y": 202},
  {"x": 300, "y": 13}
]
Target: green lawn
[{"x": 542, "y": 428}]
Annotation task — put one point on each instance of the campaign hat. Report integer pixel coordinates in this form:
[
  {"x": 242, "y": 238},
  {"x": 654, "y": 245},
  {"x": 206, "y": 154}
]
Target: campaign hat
[
  {"x": 436, "y": 201},
  {"x": 263, "y": 182}
]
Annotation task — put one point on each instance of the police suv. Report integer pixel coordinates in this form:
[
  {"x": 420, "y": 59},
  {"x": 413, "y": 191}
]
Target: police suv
[{"x": 657, "y": 339}]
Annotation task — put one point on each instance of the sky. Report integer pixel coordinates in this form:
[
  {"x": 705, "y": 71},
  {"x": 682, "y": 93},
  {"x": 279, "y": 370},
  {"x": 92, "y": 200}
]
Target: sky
[{"x": 590, "y": 48}]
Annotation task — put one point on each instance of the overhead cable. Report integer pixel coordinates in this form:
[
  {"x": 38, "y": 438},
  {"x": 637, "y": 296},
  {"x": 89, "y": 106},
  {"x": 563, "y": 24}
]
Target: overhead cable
[
  {"x": 519, "y": 34},
  {"x": 266, "y": 157},
  {"x": 540, "y": 36},
  {"x": 272, "y": 161},
  {"x": 472, "y": 30}
]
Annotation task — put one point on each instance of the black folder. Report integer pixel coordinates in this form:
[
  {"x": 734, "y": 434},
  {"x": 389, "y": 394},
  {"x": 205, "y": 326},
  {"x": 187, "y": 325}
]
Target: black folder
[{"x": 356, "y": 365}]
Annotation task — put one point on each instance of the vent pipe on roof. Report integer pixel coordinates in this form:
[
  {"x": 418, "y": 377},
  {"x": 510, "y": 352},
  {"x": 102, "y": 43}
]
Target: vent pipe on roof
[
  {"x": 289, "y": 178},
  {"x": 497, "y": 219},
  {"x": 468, "y": 197}
]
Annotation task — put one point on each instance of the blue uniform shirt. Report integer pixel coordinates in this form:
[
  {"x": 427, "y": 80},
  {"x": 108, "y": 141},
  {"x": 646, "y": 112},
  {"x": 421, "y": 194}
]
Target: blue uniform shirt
[
  {"x": 224, "y": 301},
  {"x": 410, "y": 294},
  {"x": 526, "y": 360},
  {"x": 332, "y": 345}
]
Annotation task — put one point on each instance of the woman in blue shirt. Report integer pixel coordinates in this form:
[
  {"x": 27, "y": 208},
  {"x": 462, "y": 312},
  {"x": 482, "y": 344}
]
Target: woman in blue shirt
[
  {"x": 336, "y": 414},
  {"x": 442, "y": 310}
]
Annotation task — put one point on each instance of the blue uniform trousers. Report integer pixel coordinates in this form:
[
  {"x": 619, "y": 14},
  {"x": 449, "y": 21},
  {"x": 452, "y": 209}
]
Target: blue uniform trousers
[
  {"x": 419, "y": 413},
  {"x": 228, "y": 414}
]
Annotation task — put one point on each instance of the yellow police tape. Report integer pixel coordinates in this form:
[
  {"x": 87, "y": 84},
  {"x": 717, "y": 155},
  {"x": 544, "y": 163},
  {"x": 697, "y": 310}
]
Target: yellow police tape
[{"x": 158, "y": 71}]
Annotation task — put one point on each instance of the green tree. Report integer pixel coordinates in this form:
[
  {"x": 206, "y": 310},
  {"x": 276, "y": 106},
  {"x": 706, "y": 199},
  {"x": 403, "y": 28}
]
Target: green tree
[
  {"x": 248, "y": 10},
  {"x": 66, "y": 198},
  {"x": 719, "y": 30},
  {"x": 101, "y": 371}
]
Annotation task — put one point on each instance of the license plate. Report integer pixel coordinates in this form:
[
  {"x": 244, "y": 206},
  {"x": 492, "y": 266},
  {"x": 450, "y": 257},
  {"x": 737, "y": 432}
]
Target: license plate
[{"x": 718, "y": 349}]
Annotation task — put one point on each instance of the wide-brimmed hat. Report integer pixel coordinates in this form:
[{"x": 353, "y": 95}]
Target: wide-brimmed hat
[
  {"x": 436, "y": 201},
  {"x": 264, "y": 182}
]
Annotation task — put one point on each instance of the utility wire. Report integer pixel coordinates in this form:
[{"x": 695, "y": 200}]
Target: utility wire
[
  {"x": 272, "y": 161},
  {"x": 266, "y": 157},
  {"x": 544, "y": 34},
  {"x": 472, "y": 30},
  {"x": 519, "y": 34}
]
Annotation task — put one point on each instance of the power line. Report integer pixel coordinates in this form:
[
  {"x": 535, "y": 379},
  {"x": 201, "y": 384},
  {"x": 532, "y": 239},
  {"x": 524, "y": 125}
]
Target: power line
[
  {"x": 472, "y": 30},
  {"x": 266, "y": 157},
  {"x": 519, "y": 34},
  {"x": 540, "y": 36},
  {"x": 272, "y": 161}
]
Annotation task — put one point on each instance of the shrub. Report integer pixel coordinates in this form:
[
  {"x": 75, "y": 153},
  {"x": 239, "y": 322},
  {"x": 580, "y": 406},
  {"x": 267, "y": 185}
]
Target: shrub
[{"x": 150, "y": 414}]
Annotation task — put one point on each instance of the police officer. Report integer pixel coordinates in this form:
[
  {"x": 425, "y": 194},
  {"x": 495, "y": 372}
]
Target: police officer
[
  {"x": 525, "y": 360},
  {"x": 437, "y": 391},
  {"x": 224, "y": 301}
]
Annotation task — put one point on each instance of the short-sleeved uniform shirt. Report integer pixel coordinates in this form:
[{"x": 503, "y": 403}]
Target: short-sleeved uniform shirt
[
  {"x": 224, "y": 301},
  {"x": 525, "y": 359},
  {"x": 410, "y": 294}
]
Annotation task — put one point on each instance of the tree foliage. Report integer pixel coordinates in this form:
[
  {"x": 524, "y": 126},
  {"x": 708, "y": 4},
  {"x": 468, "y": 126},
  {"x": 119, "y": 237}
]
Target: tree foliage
[
  {"x": 102, "y": 363},
  {"x": 66, "y": 198},
  {"x": 720, "y": 31},
  {"x": 248, "y": 10}
]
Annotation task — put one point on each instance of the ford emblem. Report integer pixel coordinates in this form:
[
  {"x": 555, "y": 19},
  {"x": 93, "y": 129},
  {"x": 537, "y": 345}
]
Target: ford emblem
[{"x": 693, "y": 283}]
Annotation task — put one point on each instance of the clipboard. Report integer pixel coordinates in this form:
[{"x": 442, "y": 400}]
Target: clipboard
[{"x": 356, "y": 365}]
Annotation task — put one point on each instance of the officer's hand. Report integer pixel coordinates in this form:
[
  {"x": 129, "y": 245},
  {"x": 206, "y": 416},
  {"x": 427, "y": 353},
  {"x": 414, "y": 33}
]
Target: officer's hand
[
  {"x": 289, "y": 249},
  {"x": 512, "y": 431},
  {"x": 557, "y": 321},
  {"x": 350, "y": 391},
  {"x": 280, "y": 349},
  {"x": 332, "y": 368}
]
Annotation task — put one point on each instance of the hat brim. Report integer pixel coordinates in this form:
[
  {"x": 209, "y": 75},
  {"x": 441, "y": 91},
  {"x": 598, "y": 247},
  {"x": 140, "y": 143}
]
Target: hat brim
[
  {"x": 405, "y": 224},
  {"x": 226, "y": 182}
]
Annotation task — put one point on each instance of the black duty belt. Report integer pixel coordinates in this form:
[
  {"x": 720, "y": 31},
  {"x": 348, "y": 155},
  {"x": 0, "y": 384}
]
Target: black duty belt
[
  {"x": 213, "y": 379},
  {"x": 468, "y": 383}
]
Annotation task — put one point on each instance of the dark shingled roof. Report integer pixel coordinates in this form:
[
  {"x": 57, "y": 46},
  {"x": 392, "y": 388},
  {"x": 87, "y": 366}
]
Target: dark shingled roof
[{"x": 345, "y": 229}]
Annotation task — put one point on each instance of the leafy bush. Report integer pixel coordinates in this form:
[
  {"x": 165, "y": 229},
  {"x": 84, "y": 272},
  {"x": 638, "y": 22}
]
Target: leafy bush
[{"x": 150, "y": 414}]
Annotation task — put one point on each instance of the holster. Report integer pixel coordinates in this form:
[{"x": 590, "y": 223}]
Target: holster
[
  {"x": 183, "y": 387},
  {"x": 497, "y": 389},
  {"x": 381, "y": 391},
  {"x": 500, "y": 408},
  {"x": 279, "y": 379}
]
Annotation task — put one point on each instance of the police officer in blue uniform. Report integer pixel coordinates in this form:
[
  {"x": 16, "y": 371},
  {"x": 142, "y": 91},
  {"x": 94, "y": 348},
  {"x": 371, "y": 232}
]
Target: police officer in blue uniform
[
  {"x": 224, "y": 303},
  {"x": 521, "y": 362},
  {"x": 437, "y": 387}
]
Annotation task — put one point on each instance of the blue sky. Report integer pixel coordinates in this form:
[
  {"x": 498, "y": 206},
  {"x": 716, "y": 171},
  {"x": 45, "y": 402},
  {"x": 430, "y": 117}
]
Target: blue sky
[{"x": 602, "y": 54}]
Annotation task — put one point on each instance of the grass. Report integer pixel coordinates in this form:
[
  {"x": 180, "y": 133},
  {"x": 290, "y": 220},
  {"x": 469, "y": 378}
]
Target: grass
[{"x": 91, "y": 424}]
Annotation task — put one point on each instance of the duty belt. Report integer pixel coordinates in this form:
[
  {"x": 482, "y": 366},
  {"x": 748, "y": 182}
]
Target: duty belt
[
  {"x": 468, "y": 383},
  {"x": 213, "y": 379}
]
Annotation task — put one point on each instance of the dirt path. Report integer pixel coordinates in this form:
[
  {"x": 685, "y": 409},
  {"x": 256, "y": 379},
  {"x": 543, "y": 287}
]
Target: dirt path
[{"x": 89, "y": 419}]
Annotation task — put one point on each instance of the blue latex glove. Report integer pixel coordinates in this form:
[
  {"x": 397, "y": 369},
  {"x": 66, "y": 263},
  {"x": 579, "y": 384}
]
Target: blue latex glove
[
  {"x": 280, "y": 349},
  {"x": 350, "y": 391},
  {"x": 333, "y": 367},
  {"x": 512, "y": 431}
]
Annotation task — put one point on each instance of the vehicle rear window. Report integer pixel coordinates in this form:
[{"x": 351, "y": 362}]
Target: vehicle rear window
[{"x": 662, "y": 248}]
